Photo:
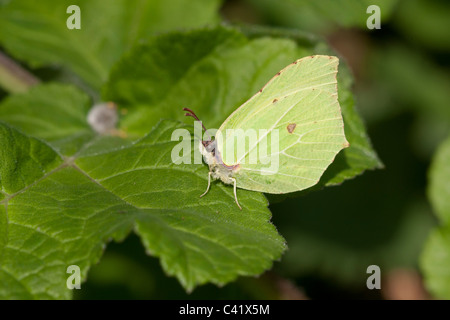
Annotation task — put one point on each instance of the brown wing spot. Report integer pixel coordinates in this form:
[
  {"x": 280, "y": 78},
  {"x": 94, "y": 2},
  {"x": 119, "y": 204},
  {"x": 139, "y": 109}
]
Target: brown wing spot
[
  {"x": 295, "y": 62},
  {"x": 278, "y": 73},
  {"x": 291, "y": 127},
  {"x": 260, "y": 90},
  {"x": 274, "y": 100}
]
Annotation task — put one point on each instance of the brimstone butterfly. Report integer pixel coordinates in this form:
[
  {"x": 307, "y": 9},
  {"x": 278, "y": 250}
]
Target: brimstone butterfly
[{"x": 299, "y": 104}]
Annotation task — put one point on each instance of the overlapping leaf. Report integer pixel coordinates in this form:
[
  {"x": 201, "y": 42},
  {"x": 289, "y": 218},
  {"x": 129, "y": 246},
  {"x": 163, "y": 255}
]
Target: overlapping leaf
[
  {"x": 436, "y": 255},
  {"x": 214, "y": 71},
  {"x": 36, "y": 31},
  {"x": 58, "y": 211}
]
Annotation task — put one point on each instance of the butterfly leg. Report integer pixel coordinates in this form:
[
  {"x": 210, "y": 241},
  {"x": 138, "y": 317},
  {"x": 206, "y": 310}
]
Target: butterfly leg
[
  {"x": 235, "y": 197},
  {"x": 209, "y": 183}
]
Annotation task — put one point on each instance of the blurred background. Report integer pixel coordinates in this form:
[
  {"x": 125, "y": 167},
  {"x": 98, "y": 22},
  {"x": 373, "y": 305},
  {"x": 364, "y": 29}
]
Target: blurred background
[
  {"x": 402, "y": 90},
  {"x": 382, "y": 217}
]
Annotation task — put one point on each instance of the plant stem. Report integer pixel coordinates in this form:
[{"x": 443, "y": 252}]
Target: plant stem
[{"x": 14, "y": 78}]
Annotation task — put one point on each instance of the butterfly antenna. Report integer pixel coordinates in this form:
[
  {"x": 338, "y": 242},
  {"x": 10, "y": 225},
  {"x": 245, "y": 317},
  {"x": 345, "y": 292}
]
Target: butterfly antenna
[{"x": 192, "y": 114}]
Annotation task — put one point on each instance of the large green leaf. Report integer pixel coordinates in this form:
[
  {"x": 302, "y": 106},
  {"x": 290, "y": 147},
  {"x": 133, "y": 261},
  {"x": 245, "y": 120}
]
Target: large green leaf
[
  {"x": 60, "y": 210},
  {"x": 436, "y": 256},
  {"x": 213, "y": 71},
  {"x": 35, "y": 30}
]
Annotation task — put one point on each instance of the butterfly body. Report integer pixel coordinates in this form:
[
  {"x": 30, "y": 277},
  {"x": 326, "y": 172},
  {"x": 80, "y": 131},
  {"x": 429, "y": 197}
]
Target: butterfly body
[{"x": 219, "y": 170}]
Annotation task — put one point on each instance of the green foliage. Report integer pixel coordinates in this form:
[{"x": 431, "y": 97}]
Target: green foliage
[
  {"x": 436, "y": 255},
  {"x": 439, "y": 188},
  {"x": 360, "y": 155},
  {"x": 367, "y": 230},
  {"x": 24, "y": 160},
  {"x": 40, "y": 112},
  {"x": 214, "y": 71},
  {"x": 66, "y": 195},
  {"x": 36, "y": 32},
  {"x": 401, "y": 66},
  {"x": 426, "y": 23},
  {"x": 60, "y": 211},
  {"x": 66, "y": 191}
]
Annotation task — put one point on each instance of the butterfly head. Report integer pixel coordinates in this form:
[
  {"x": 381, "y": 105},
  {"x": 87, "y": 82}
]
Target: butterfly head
[{"x": 211, "y": 155}]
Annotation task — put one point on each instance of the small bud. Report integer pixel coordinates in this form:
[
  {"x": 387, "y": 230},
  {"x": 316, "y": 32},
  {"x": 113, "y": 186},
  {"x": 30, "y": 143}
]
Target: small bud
[{"x": 103, "y": 117}]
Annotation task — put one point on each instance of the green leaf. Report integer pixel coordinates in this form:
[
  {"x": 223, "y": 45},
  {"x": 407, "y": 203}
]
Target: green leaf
[
  {"x": 338, "y": 248},
  {"x": 435, "y": 260},
  {"x": 99, "y": 188},
  {"x": 211, "y": 71},
  {"x": 40, "y": 113},
  {"x": 435, "y": 263},
  {"x": 36, "y": 31},
  {"x": 23, "y": 160},
  {"x": 321, "y": 15},
  {"x": 64, "y": 219},
  {"x": 214, "y": 71},
  {"x": 59, "y": 211},
  {"x": 360, "y": 156}
]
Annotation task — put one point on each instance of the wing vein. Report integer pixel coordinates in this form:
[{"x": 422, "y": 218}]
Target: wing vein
[
  {"x": 282, "y": 174},
  {"x": 269, "y": 131}
]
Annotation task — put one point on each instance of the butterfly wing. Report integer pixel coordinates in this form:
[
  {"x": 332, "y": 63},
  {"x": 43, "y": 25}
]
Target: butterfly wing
[{"x": 299, "y": 109}]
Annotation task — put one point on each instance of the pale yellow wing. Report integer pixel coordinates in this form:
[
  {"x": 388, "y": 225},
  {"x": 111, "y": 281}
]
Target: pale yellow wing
[{"x": 299, "y": 109}]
